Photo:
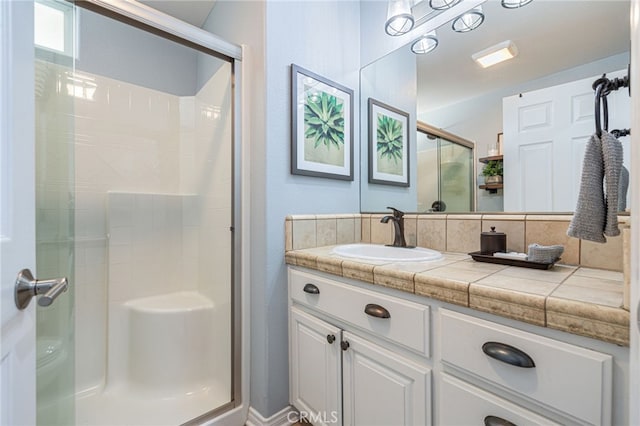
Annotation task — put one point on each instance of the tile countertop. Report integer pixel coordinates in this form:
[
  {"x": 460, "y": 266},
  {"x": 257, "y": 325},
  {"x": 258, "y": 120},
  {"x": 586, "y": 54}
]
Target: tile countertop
[{"x": 578, "y": 300}]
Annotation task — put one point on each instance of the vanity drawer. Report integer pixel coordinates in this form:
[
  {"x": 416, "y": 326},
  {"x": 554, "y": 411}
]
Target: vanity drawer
[
  {"x": 565, "y": 377},
  {"x": 465, "y": 404},
  {"x": 407, "y": 324}
]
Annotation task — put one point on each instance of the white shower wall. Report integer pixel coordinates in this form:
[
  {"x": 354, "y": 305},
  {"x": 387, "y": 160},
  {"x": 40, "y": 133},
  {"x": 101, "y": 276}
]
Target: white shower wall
[
  {"x": 151, "y": 240},
  {"x": 165, "y": 157}
]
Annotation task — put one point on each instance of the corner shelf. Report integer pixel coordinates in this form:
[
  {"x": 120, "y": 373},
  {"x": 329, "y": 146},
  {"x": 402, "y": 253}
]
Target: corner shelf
[
  {"x": 491, "y": 187},
  {"x": 492, "y": 158}
]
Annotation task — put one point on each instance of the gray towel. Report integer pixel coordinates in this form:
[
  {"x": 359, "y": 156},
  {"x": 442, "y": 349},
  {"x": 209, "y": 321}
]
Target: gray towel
[
  {"x": 544, "y": 254},
  {"x": 589, "y": 217},
  {"x": 622, "y": 189},
  {"x": 597, "y": 210},
  {"x": 612, "y": 157}
]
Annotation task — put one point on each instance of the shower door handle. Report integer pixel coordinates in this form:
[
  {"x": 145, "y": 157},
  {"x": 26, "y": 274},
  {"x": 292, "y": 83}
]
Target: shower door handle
[{"x": 27, "y": 287}]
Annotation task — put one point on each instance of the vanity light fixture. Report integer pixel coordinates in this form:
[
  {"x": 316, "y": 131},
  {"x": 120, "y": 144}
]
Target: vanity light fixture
[
  {"x": 496, "y": 54},
  {"x": 443, "y": 4},
  {"x": 468, "y": 21},
  {"x": 514, "y": 4},
  {"x": 425, "y": 44},
  {"x": 399, "y": 18}
]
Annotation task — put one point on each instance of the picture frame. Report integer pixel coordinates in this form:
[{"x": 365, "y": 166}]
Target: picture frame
[
  {"x": 388, "y": 144},
  {"x": 322, "y": 126},
  {"x": 499, "y": 142}
]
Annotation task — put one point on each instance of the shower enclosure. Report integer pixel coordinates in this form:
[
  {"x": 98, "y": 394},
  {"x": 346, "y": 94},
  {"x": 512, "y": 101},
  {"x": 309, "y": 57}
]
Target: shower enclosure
[
  {"x": 136, "y": 202},
  {"x": 445, "y": 171}
]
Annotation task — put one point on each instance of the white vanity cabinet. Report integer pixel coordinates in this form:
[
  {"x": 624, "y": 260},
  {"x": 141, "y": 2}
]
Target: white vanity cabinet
[
  {"x": 360, "y": 355},
  {"x": 341, "y": 369}
]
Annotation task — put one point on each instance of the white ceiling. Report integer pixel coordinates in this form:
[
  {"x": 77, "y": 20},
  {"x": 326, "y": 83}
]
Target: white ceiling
[
  {"x": 192, "y": 11},
  {"x": 551, "y": 36}
]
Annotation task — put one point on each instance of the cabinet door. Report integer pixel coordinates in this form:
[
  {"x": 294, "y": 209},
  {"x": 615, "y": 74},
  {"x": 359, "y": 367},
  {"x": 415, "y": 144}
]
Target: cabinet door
[
  {"x": 382, "y": 388},
  {"x": 315, "y": 368}
]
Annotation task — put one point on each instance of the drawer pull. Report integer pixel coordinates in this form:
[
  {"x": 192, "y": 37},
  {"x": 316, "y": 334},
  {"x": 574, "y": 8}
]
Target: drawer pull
[
  {"x": 344, "y": 345},
  {"x": 497, "y": 421},
  {"x": 311, "y": 289},
  {"x": 331, "y": 338},
  {"x": 508, "y": 354},
  {"x": 376, "y": 311}
]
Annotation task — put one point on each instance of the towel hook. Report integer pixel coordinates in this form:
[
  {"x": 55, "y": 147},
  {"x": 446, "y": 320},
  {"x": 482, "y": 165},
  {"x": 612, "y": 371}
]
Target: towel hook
[
  {"x": 603, "y": 86},
  {"x": 599, "y": 86},
  {"x": 621, "y": 133}
]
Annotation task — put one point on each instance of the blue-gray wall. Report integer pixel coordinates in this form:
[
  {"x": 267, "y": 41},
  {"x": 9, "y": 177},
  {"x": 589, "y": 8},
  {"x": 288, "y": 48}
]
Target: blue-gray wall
[{"x": 323, "y": 37}]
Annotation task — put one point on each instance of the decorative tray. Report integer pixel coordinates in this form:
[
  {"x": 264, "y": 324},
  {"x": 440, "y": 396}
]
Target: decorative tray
[{"x": 489, "y": 258}]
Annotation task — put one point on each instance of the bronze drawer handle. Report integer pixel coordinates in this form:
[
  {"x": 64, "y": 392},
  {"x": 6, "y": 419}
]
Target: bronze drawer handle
[
  {"x": 311, "y": 289},
  {"x": 508, "y": 354},
  {"x": 376, "y": 311},
  {"x": 497, "y": 421}
]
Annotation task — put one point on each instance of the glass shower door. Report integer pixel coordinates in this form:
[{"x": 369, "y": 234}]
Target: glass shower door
[
  {"x": 445, "y": 171},
  {"x": 55, "y": 227},
  {"x": 456, "y": 176},
  {"x": 135, "y": 193},
  {"x": 428, "y": 171}
]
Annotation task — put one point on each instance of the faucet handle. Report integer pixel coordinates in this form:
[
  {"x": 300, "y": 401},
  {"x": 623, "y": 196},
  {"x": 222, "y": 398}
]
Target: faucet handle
[{"x": 396, "y": 213}]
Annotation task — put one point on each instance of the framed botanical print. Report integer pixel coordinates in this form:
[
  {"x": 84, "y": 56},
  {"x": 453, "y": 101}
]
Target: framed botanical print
[
  {"x": 322, "y": 126},
  {"x": 388, "y": 144}
]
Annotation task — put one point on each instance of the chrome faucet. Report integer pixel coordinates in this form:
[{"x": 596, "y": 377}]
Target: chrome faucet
[{"x": 398, "y": 226}]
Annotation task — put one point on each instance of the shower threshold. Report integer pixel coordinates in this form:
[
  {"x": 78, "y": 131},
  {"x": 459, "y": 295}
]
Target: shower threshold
[{"x": 124, "y": 406}]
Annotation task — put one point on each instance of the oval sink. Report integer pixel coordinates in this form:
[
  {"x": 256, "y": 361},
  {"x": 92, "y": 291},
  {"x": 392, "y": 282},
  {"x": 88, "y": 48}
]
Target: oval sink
[{"x": 391, "y": 254}]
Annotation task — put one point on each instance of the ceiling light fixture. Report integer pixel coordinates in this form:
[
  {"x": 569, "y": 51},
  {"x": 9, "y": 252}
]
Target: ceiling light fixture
[
  {"x": 496, "y": 54},
  {"x": 425, "y": 43},
  {"x": 443, "y": 4},
  {"x": 514, "y": 4},
  {"x": 399, "y": 18},
  {"x": 468, "y": 21}
]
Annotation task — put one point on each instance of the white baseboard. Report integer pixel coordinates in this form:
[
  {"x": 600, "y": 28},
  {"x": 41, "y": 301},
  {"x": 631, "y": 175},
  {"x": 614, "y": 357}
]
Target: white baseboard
[{"x": 281, "y": 418}]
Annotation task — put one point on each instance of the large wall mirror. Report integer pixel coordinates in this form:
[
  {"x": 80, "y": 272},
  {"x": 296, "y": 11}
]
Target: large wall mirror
[{"x": 540, "y": 104}]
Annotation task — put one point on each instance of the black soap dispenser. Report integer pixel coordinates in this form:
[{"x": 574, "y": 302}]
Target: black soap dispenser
[{"x": 491, "y": 242}]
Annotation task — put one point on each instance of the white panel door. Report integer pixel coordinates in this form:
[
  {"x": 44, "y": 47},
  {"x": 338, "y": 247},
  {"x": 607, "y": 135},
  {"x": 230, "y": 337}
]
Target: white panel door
[
  {"x": 545, "y": 135},
  {"x": 634, "y": 358},
  {"x": 382, "y": 388},
  {"x": 17, "y": 210},
  {"x": 315, "y": 368}
]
